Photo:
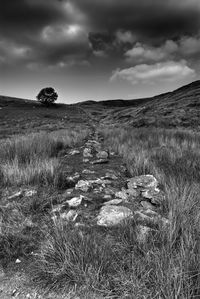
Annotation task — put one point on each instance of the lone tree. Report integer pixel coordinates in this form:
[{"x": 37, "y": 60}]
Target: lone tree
[{"x": 47, "y": 96}]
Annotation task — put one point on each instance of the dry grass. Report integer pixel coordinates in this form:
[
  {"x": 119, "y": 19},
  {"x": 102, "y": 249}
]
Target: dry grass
[
  {"x": 110, "y": 262},
  {"x": 33, "y": 159}
]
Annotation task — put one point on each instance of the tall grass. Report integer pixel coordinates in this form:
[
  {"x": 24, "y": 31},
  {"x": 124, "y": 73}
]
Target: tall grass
[{"x": 33, "y": 159}]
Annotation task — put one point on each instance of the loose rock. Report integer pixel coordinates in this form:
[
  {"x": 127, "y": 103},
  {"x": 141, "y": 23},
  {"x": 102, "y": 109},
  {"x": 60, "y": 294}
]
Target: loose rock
[
  {"x": 102, "y": 155},
  {"x": 113, "y": 215},
  {"x": 87, "y": 153},
  {"x": 143, "y": 181},
  {"x": 75, "y": 201},
  {"x": 84, "y": 186}
]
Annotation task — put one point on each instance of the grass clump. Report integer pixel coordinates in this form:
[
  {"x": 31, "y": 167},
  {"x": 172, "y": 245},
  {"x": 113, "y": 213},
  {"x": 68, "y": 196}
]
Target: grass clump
[{"x": 33, "y": 159}]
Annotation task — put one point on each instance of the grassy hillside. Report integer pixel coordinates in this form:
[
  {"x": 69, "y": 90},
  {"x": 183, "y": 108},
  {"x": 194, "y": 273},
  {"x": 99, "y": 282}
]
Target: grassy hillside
[
  {"x": 180, "y": 108},
  {"x": 19, "y": 116}
]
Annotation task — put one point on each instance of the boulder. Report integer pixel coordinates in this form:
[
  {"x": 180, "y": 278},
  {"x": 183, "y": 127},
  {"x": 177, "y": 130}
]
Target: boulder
[
  {"x": 102, "y": 155},
  {"x": 112, "y": 215},
  {"x": 147, "y": 181},
  {"x": 87, "y": 153},
  {"x": 122, "y": 194},
  {"x": 84, "y": 186},
  {"x": 75, "y": 201}
]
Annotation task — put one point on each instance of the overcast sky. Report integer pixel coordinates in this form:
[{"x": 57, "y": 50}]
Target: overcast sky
[{"x": 98, "y": 49}]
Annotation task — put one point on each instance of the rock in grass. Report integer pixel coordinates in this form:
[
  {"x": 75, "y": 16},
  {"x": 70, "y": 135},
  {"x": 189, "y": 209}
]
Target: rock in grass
[
  {"x": 111, "y": 215},
  {"x": 87, "y": 153},
  {"x": 122, "y": 194},
  {"x": 147, "y": 181},
  {"x": 75, "y": 201},
  {"x": 102, "y": 155},
  {"x": 84, "y": 186}
]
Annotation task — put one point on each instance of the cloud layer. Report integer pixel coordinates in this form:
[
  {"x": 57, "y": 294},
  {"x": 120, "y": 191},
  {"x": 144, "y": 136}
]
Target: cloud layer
[
  {"x": 165, "y": 71},
  {"x": 146, "y": 40}
]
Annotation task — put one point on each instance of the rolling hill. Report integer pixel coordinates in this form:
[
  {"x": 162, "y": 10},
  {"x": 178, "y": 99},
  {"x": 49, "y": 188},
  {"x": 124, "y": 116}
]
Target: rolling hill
[{"x": 180, "y": 108}]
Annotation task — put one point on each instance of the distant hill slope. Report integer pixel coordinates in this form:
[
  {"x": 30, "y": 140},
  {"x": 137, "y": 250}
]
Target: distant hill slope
[
  {"x": 180, "y": 108},
  {"x": 20, "y": 116}
]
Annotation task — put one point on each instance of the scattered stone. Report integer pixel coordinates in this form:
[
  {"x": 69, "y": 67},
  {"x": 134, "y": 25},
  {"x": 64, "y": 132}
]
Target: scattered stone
[
  {"x": 115, "y": 201},
  {"x": 102, "y": 155},
  {"x": 122, "y": 194},
  {"x": 100, "y": 161},
  {"x": 75, "y": 201},
  {"x": 74, "y": 152},
  {"x": 143, "y": 181},
  {"x": 88, "y": 171},
  {"x": 18, "y": 261},
  {"x": 73, "y": 179},
  {"x": 133, "y": 193},
  {"x": 87, "y": 153},
  {"x": 150, "y": 193},
  {"x": 84, "y": 186},
  {"x": 112, "y": 215}
]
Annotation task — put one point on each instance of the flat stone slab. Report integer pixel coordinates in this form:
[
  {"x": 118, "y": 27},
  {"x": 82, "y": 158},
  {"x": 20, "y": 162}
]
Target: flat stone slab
[
  {"x": 147, "y": 181},
  {"x": 112, "y": 215}
]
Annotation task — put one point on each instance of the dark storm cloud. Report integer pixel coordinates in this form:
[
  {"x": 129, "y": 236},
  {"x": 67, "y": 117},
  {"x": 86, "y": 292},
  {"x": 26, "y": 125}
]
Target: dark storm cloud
[
  {"x": 154, "y": 20},
  {"x": 40, "y": 31},
  {"x": 53, "y": 31},
  {"x": 26, "y": 17}
]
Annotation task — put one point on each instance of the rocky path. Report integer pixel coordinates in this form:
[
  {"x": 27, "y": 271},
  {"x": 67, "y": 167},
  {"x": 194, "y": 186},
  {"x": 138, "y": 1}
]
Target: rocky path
[{"x": 99, "y": 192}]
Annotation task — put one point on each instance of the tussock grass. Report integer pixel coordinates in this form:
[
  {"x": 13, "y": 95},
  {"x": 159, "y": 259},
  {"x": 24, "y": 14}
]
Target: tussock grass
[{"x": 33, "y": 159}]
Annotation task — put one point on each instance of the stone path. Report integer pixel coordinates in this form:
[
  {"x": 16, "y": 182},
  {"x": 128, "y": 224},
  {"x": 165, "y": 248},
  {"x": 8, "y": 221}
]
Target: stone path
[{"x": 99, "y": 192}]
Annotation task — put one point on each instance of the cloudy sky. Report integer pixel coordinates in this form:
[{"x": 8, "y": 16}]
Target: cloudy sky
[{"x": 98, "y": 49}]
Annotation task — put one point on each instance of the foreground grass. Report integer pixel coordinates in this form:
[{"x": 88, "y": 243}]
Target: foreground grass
[
  {"x": 30, "y": 161},
  {"x": 112, "y": 262},
  {"x": 33, "y": 159}
]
